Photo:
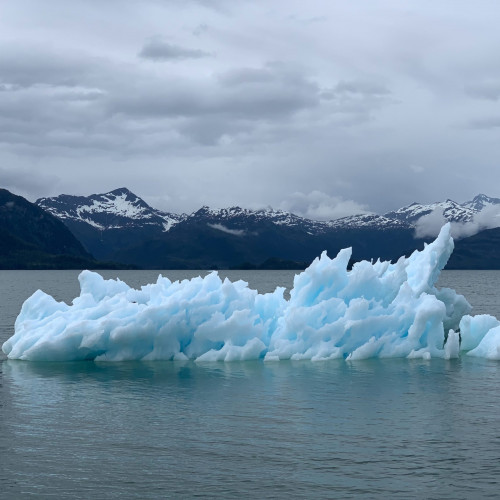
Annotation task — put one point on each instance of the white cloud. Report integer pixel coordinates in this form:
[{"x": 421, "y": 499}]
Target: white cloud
[
  {"x": 224, "y": 229},
  {"x": 429, "y": 225},
  {"x": 317, "y": 205}
]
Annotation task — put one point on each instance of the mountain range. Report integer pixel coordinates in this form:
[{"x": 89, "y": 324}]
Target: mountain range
[{"x": 120, "y": 226}]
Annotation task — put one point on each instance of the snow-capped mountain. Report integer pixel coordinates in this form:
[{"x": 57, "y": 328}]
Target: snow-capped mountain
[
  {"x": 106, "y": 223},
  {"x": 480, "y": 202},
  {"x": 452, "y": 211},
  {"x": 237, "y": 218},
  {"x": 117, "y": 209},
  {"x": 372, "y": 221},
  {"x": 120, "y": 208},
  {"x": 120, "y": 226}
]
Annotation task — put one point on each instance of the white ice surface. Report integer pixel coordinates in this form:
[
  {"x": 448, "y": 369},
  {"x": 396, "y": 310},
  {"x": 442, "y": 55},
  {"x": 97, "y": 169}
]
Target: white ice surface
[
  {"x": 481, "y": 336},
  {"x": 375, "y": 310}
]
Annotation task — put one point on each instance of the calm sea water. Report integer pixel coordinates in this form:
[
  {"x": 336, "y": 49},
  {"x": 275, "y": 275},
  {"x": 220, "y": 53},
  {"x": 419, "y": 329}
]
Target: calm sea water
[{"x": 371, "y": 429}]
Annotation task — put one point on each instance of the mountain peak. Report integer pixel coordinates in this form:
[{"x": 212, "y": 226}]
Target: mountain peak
[
  {"x": 121, "y": 191},
  {"x": 452, "y": 211},
  {"x": 481, "y": 201},
  {"x": 205, "y": 209},
  {"x": 115, "y": 209},
  {"x": 481, "y": 196}
]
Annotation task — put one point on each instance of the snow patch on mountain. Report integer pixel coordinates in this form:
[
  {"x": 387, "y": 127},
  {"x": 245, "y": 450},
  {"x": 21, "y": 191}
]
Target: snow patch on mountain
[
  {"x": 452, "y": 212},
  {"x": 120, "y": 205},
  {"x": 235, "y": 218},
  {"x": 368, "y": 221},
  {"x": 116, "y": 209}
]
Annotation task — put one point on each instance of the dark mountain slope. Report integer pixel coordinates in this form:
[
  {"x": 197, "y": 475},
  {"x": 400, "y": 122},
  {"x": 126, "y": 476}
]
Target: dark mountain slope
[
  {"x": 195, "y": 244},
  {"x": 32, "y": 225},
  {"x": 31, "y": 238},
  {"x": 481, "y": 251}
]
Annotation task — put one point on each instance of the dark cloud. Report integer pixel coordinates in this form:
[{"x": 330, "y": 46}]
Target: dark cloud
[
  {"x": 212, "y": 130},
  {"x": 79, "y": 95},
  {"x": 30, "y": 66},
  {"x": 332, "y": 101},
  {"x": 484, "y": 90},
  {"x": 123, "y": 109},
  {"x": 158, "y": 50},
  {"x": 361, "y": 87},
  {"x": 249, "y": 94},
  {"x": 485, "y": 123},
  {"x": 228, "y": 104},
  {"x": 201, "y": 29}
]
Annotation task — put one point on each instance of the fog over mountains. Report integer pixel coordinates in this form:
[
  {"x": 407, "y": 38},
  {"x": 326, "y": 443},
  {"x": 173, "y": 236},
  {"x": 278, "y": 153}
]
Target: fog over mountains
[{"x": 120, "y": 226}]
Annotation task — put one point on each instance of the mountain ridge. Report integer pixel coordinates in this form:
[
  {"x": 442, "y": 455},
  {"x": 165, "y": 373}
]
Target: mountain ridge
[
  {"x": 122, "y": 208},
  {"x": 120, "y": 226}
]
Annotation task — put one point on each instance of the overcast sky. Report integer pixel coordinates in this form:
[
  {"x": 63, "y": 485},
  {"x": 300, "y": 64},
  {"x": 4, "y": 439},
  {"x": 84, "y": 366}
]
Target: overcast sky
[{"x": 324, "y": 108}]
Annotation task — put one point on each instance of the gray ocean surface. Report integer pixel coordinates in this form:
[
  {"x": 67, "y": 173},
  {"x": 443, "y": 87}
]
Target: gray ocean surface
[{"x": 367, "y": 429}]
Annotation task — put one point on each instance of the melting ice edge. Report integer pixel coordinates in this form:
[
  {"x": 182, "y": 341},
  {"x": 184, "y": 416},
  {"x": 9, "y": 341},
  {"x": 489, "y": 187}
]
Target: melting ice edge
[{"x": 375, "y": 310}]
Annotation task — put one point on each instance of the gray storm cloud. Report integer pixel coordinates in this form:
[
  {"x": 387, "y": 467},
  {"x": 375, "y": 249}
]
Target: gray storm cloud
[{"x": 158, "y": 50}]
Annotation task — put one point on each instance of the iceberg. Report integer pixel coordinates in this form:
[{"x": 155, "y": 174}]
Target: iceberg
[{"x": 377, "y": 309}]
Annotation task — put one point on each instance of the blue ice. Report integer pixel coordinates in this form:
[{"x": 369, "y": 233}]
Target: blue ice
[{"x": 376, "y": 309}]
